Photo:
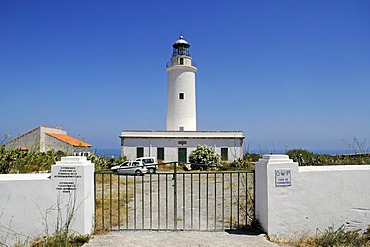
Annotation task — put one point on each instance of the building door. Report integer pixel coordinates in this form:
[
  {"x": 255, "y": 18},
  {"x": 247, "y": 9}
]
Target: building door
[
  {"x": 139, "y": 152},
  {"x": 182, "y": 155},
  {"x": 160, "y": 153},
  {"x": 224, "y": 154}
]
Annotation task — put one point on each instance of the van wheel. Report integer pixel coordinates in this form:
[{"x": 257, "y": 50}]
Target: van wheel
[
  {"x": 151, "y": 170},
  {"x": 138, "y": 173}
]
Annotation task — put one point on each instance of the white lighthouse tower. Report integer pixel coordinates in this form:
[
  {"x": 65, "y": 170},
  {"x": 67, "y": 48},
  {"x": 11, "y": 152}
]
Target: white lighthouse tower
[
  {"x": 181, "y": 136},
  {"x": 181, "y": 101}
]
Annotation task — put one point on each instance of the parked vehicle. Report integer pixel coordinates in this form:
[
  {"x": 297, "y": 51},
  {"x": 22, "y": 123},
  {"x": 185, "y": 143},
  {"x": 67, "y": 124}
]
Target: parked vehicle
[
  {"x": 130, "y": 167},
  {"x": 150, "y": 163}
]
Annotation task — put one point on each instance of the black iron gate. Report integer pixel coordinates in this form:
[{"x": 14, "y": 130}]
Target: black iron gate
[{"x": 174, "y": 200}]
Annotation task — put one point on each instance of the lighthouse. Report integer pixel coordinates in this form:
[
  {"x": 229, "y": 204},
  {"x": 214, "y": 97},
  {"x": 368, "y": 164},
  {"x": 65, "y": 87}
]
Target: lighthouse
[
  {"x": 181, "y": 136},
  {"x": 181, "y": 100}
]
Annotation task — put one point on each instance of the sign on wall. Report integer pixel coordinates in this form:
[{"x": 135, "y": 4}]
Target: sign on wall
[
  {"x": 67, "y": 176},
  {"x": 283, "y": 178}
]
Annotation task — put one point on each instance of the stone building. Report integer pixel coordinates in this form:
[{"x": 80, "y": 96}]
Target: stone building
[{"x": 44, "y": 139}]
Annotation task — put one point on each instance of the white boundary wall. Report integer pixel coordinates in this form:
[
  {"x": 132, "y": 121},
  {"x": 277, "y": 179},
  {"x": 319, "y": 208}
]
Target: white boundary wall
[
  {"x": 29, "y": 202},
  {"x": 294, "y": 201}
]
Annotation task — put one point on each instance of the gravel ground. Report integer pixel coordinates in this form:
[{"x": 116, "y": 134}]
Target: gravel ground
[
  {"x": 204, "y": 202},
  {"x": 179, "y": 239}
]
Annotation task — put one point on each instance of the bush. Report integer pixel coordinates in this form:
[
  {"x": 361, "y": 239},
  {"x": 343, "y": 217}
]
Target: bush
[
  {"x": 307, "y": 158},
  {"x": 251, "y": 157},
  {"x": 302, "y": 156},
  {"x": 204, "y": 155},
  {"x": 104, "y": 162},
  {"x": 243, "y": 164},
  {"x": 22, "y": 161}
]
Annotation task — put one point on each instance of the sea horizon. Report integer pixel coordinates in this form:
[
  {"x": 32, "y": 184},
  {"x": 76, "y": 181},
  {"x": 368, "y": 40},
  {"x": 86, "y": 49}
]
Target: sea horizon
[{"x": 116, "y": 152}]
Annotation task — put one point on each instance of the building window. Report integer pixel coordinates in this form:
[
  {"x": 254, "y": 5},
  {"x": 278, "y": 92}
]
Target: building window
[
  {"x": 224, "y": 154},
  {"x": 160, "y": 153},
  {"x": 181, "y": 96},
  {"x": 181, "y": 61},
  {"x": 139, "y": 152},
  {"x": 181, "y": 128}
]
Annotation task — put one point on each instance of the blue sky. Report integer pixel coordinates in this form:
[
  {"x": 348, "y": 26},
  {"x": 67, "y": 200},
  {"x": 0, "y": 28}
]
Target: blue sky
[{"x": 288, "y": 73}]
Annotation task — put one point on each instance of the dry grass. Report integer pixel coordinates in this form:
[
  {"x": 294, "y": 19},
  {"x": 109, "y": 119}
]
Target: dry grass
[
  {"x": 59, "y": 240},
  {"x": 169, "y": 168},
  {"x": 111, "y": 209},
  {"x": 106, "y": 178},
  {"x": 341, "y": 237}
]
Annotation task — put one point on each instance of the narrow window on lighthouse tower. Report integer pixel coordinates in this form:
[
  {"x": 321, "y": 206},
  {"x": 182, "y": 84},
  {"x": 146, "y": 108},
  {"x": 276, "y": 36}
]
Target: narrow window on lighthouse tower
[
  {"x": 181, "y": 60},
  {"x": 181, "y": 96}
]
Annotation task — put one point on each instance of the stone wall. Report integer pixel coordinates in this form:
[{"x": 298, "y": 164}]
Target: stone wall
[
  {"x": 294, "y": 201},
  {"x": 34, "y": 205}
]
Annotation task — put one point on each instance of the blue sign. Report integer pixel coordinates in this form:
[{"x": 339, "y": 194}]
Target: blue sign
[{"x": 283, "y": 178}]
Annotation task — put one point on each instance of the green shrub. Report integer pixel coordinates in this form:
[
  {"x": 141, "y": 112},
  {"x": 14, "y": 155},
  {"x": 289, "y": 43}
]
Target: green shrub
[
  {"x": 307, "y": 158},
  {"x": 243, "y": 164},
  {"x": 303, "y": 157},
  {"x": 204, "y": 155},
  {"x": 22, "y": 161},
  {"x": 251, "y": 157},
  {"x": 104, "y": 162}
]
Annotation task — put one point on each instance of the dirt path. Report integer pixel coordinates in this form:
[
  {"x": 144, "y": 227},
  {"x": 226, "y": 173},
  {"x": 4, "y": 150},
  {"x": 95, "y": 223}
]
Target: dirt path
[{"x": 179, "y": 239}]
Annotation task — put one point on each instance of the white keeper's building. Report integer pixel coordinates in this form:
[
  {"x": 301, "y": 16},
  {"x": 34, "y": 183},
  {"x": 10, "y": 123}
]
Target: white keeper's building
[
  {"x": 44, "y": 139},
  {"x": 181, "y": 135}
]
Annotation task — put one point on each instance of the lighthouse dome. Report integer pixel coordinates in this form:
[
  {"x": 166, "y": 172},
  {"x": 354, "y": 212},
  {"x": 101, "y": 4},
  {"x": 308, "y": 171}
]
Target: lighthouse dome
[
  {"x": 181, "y": 47},
  {"x": 181, "y": 42}
]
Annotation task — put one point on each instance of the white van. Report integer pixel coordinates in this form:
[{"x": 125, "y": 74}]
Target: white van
[{"x": 150, "y": 163}]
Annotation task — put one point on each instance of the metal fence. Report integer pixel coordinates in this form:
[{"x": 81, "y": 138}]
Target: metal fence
[{"x": 174, "y": 200}]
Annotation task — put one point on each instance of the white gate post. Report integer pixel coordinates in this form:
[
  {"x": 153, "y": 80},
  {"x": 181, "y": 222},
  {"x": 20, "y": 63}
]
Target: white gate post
[
  {"x": 274, "y": 174},
  {"x": 73, "y": 179}
]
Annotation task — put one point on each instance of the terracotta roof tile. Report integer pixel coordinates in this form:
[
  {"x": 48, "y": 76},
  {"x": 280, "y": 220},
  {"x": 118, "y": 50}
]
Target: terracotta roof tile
[{"x": 69, "y": 139}]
